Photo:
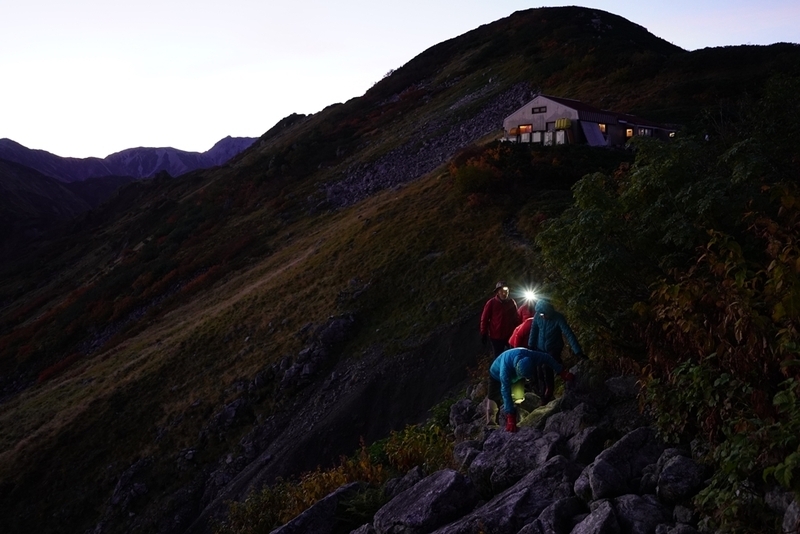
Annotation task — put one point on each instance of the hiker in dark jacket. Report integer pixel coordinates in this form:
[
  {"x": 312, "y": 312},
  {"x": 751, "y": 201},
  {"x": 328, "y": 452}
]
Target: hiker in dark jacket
[
  {"x": 512, "y": 366},
  {"x": 548, "y": 330},
  {"x": 499, "y": 318}
]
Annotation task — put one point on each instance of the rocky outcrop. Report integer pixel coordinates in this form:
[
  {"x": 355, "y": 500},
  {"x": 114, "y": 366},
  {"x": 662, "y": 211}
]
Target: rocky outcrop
[
  {"x": 567, "y": 471},
  {"x": 339, "y": 402},
  {"x": 432, "y": 502},
  {"x": 432, "y": 145}
]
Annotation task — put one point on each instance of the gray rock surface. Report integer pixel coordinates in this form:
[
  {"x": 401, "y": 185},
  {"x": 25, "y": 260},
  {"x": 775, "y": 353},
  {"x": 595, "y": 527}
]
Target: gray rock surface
[
  {"x": 557, "y": 518},
  {"x": 618, "y": 470},
  {"x": 640, "y": 514},
  {"x": 680, "y": 479},
  {"x": 396, "y": 486},
  {"x": 791, "y": 519},
  {"x": 522, "y": 503},
  {"x": 507, "y": 457},
  {"x": 555, "y": 478},
  {"x": 602, "y": 520},
  {"x": 434, "y": 501},
  {"x": 320, "y": 518}
]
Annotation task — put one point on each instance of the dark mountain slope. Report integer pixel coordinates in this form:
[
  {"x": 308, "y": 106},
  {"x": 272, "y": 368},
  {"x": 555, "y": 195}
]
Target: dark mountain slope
[
  {"x": 156, "y": 353},
  {"x": 62, "y": 169},
  {"x": 94, "y": 180},
  {"x": 31, "y": 204},
  {"x": 95, "y": 191}
]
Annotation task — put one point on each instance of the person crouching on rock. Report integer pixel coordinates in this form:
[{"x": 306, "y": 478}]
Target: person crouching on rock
[{"x": 512, "y": 366}]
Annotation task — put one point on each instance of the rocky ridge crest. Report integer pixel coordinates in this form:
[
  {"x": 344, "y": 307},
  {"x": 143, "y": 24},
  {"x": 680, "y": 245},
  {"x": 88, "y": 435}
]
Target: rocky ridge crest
[{"x": 587, "y": 463}]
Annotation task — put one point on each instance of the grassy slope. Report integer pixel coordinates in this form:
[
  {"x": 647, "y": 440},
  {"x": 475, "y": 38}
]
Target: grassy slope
[
  {"x": 107, "y": 410},
  {"x": 424, "y": 257}
]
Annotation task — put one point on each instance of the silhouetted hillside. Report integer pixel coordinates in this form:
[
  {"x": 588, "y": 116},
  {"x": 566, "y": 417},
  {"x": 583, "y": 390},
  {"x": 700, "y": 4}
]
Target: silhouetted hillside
[
  {"x": 135, "y": 162},
  {"x": 93, "y": 180},
  {"x": 31, "y": 204}
]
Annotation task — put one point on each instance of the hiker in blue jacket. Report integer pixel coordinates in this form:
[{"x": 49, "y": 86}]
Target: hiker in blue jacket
[
  {"x": 512, "y": 366},
  {"x": 548, "y": 331}
]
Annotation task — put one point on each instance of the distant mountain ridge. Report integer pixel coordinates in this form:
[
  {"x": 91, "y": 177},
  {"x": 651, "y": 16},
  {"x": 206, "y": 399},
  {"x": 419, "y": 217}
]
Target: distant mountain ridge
[{"x": 141, "y": 162}]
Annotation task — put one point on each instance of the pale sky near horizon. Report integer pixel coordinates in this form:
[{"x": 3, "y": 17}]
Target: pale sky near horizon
[{"x": 93, "y": 77}]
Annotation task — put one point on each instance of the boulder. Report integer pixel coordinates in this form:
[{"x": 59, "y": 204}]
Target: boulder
[
  {"x": 462, "y": 412},
  {"x": 680, "y": 479},
  {"x": 557, "y": 518},
  {"x": 684, "y": 514},
  {"x": 618, "y": 470},
  {"x": 398, "y": 485},
  {"x": 791, "y": 519},
  {"x": 321, "y": 517},
  {"x": 507, "y": 457},
  {"x": 640, "y": 514},
  {"x": 435, "y": 501},
  {"x": 465, "y": 452},
  {"x": 523, "y": 502},
  {"x": 584, "y": 446},
  {"x": 468, "y": 419},
  {"x": 571, "y": 422},
  {"x": 602, "y": 520}
]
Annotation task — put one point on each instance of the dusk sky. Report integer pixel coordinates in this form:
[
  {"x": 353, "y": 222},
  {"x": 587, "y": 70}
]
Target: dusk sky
[{"x": 93, "y": 77}]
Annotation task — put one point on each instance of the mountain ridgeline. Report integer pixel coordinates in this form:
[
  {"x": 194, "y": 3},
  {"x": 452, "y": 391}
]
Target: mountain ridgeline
[
  {"x": 133, "y": 162},
  {"x": 40, "y": 191},
  {"x": 200, "y": 335}
]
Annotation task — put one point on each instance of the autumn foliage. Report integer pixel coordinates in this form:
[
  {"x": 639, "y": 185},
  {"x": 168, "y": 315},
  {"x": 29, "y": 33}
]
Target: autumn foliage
[{"x": 686, "y": 265}]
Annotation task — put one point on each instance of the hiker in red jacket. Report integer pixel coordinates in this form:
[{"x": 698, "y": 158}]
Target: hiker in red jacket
[
  {"x": 499, "y": 318},
  {"x": 528, "y": 309},
  {"x": 519, "y": 338},
  {"x": 526, "y": 313}
]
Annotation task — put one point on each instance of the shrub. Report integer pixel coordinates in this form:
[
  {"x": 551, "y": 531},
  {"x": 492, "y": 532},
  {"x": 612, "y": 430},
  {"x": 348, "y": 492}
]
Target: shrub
[
  {"x": 275, "y": 505},
  {"x": 416, "y": 445},
  {"x": 419, "y": 445},
  {"x": 687, "y": 264}
]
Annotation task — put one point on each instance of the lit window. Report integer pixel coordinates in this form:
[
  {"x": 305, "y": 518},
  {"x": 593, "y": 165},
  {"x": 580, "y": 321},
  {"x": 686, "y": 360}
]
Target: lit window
[
  {"x": 602, "y": 128},
  {"x": 629, "y": 132},
  {"x": 525, "y": 128}
]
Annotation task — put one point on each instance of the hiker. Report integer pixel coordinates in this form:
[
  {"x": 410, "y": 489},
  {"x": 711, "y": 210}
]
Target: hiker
[
  {"x": 548, "y": 330},
  {"x": 519, "y": 338},
  {"x": 512, "y": 366},
  {"x": 528, "y": 309},
  {"x": 498, "y": 319}
]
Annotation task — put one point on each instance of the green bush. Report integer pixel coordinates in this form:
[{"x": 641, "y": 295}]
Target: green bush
[{"x": 684, "y": 267}]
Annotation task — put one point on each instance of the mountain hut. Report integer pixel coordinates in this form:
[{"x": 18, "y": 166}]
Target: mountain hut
[{"x": 551, "y": 120}]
